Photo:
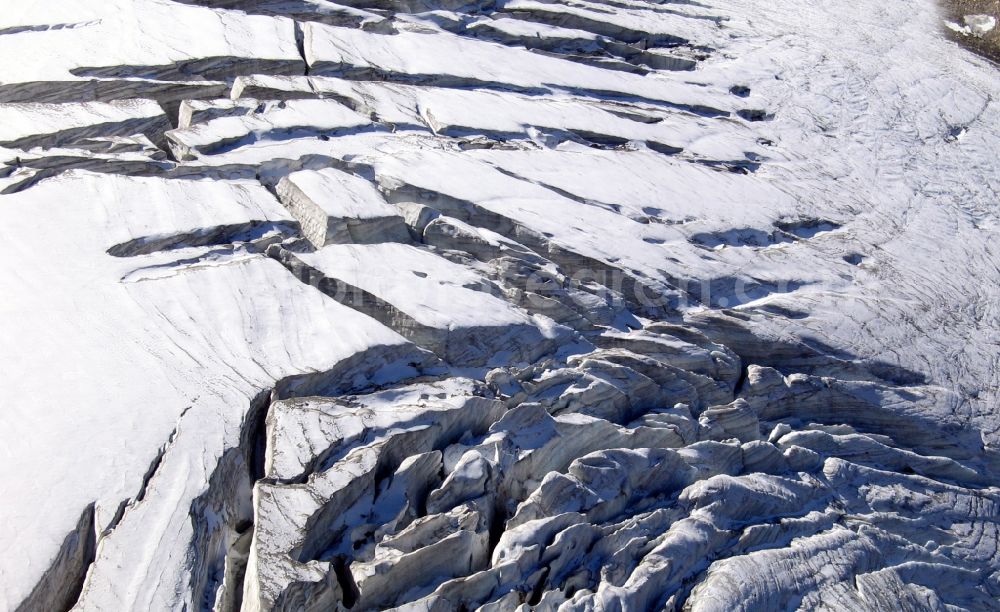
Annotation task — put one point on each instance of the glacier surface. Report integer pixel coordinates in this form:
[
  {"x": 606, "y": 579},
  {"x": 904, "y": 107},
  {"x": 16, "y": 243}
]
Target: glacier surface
[{"x": 431, "y": 305}]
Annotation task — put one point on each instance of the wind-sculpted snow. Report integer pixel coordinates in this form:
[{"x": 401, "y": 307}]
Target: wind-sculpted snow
[{"x": 606, "y": 305}]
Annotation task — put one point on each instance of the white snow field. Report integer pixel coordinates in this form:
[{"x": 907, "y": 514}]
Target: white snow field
[{"x": 430, "y": 305}]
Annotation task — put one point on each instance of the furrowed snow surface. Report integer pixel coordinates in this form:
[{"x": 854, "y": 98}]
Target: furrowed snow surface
[{"x": 589, "y": 305}]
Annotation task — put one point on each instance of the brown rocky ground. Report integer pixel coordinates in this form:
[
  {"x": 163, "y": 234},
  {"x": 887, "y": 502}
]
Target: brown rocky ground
[{"x": 987, "y": 45}]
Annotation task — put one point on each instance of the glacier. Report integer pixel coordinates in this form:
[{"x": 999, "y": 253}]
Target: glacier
[{"x": 432, "y": 305}]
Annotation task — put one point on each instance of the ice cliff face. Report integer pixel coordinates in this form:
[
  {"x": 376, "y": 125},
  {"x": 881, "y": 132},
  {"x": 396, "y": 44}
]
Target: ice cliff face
[{"x": 432, "y": 305}]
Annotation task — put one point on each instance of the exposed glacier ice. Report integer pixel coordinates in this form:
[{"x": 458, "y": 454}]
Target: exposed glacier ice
[{"x": 434, "y": 305}]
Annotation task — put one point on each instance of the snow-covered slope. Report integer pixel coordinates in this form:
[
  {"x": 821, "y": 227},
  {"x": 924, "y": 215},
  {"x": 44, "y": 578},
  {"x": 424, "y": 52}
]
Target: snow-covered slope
[{"x": 578, "y": 305}]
